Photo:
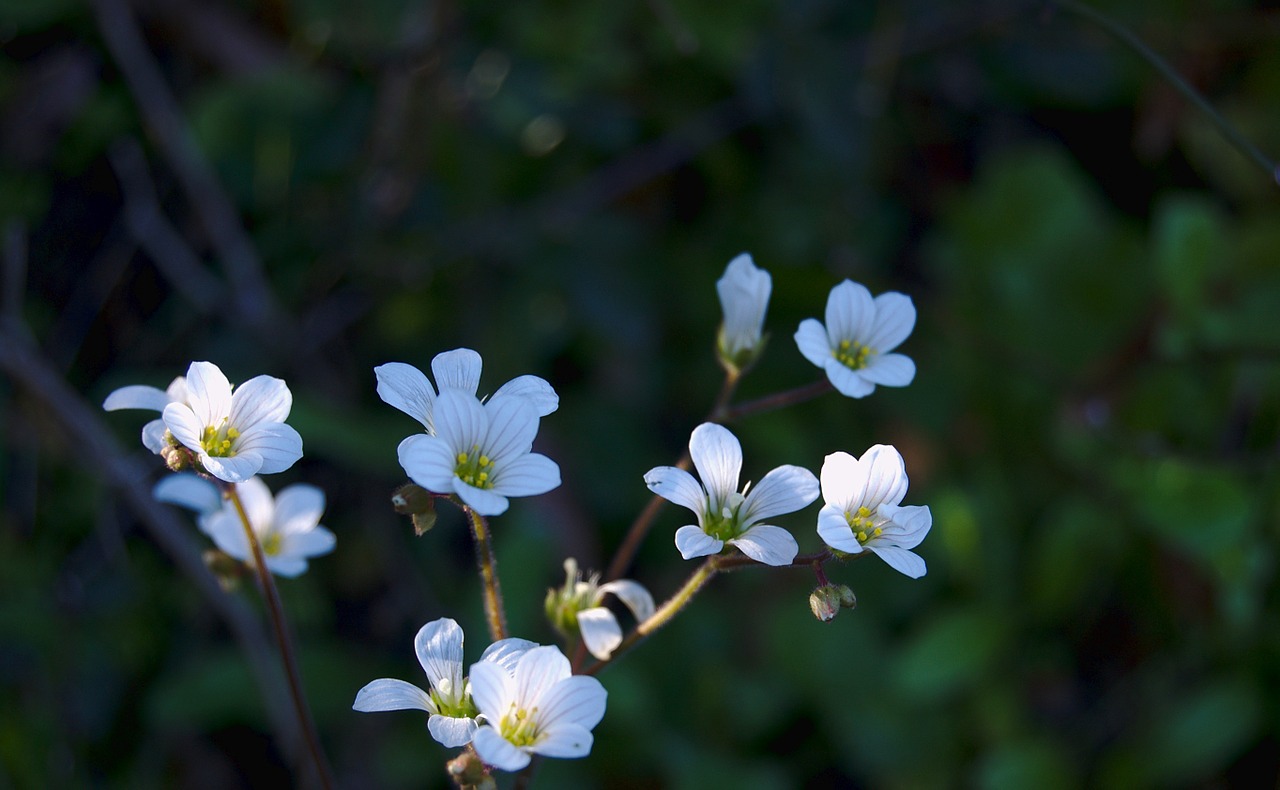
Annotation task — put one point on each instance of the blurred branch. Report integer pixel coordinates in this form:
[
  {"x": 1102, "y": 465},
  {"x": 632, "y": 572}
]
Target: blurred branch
[
  {"x": 93, "y": 447},
  {"x": 211, "y": 203},
  {"x": 14, "y": 276}
]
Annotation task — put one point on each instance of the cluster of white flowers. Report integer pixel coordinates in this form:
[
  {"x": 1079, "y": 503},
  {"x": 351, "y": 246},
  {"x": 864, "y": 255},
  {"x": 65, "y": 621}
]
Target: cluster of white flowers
[{"x": 521, "y": 698}]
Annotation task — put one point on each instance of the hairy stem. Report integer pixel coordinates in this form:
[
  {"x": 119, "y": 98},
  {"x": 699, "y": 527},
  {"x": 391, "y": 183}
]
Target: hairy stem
[
  {"x": 287, "y": 656},
  {"x": 488, "y": 562}
]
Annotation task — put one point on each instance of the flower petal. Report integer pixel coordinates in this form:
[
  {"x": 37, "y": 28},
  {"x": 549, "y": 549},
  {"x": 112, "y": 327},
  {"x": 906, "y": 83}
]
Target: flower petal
[
  {"x": 835, "y": 531},
  {"x": 137, "y": 396},
  {"x": 429, "y": 461},
  {"x": 900, "y": 560},
  {"x": 407, "y": 389},
  {"x": 261, "y": 399},
  {"x": 676, "y": 485},
  {"x": 496, "y": 751},
  {"x": 227, "y": 533},
  {"x": 527, "y": 475},
  {"x": 190, "y": 491},
  {"x": 537, "y": 672},
  {"x": 717, "y": 455},
  {"x": 506, "y": 652},
  {"x": 842, "y": 479},
  {"x": 890, "y": 370},
  {"x": 460, "y": 420},
  {"x": 895, "y": 318},
  {"x": 851, "y": 313},
  {"x": 578, "y": 699},
  {"x": 847, "y": 382},
  {"x": 564, "y": 741},
  {"x": 692, "y": 542},
  {"x": 233, "y": 470},
  {"x": 600, "y": 631},
  {"x": 288, "y": 567},
  {"x": 909, "y": 524},
  {"x": 458, "y": 369},
  {"x": 633, "y": 594},
  {"x": 451, "y": 731},
  {"x": 153, "y": 436},
  {"x": 185, "y": 426},
  {"x": 783, "y": 490},
  {"x": 298, "y": 508},
  {"x": 492, "y": 688},
  {"x": 208, "y": 394},
  {"x": 768, "y": 544},
  {"x": 258, "y": 503},
  {"x": 391, "y": 694},
  {"x": 484, "y": 501},
  {"x": 512, "y": 425},
  {"x": 439, "y": 648},
  {"x": 312, "y": 543},
  {"x": 812, "y": 340},
  {"x": 885, "y": 475},
  {"x": 278, "y": 446},
  {"x": 541, "y": 395}
]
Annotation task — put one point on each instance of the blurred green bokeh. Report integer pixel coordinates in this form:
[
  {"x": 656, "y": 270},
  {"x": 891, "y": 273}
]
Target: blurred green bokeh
[{"x": 1095, "y": 421}]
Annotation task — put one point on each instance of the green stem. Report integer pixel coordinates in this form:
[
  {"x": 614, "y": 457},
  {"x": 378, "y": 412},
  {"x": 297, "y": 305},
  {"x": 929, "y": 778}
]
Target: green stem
[
  {"x": 1126, "y": 36},
  {"x": 287, "y": 656},
  {"x": 488, "y": 563}
]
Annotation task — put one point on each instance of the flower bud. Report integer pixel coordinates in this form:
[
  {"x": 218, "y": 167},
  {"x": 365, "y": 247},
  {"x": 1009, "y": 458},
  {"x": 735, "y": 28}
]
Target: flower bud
[
  {"x": 177, "y": 458},
  {"x": 413, "y": 500},
  {"x": 562, "y": 604},
  {"x": 468, "y": 771},
  {"x": 225, "y": 568},
  {"x": 827, "y": 601},
  {"x": 744, "y": 295}
]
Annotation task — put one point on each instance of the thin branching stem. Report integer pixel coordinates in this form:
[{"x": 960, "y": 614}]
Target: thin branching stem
[{"x": 287, "y": 656}]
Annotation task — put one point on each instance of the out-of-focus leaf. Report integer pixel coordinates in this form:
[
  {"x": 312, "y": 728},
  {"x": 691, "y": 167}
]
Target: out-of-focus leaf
[{"x": 949, "y": 652}]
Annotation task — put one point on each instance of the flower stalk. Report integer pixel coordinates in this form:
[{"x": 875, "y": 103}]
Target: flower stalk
[{"x": 488, "y": 564}]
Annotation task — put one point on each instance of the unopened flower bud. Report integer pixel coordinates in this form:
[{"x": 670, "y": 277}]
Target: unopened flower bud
[
  {"x": 744, "y": 295},
  {"x": 225, "y": 568},
  {"x": 562, "y": 604},
  {"x": 413, "y": 500},
  {"x": 467, "y": 770},
  {"x": 827, "y": 601},
  {"x": 177, "y": 458}
]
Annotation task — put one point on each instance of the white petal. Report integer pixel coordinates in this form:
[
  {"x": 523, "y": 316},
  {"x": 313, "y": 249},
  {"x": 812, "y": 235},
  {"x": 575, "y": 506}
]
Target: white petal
[
  {"x": 811, "y": 339},
  {"x": 895, "y": 318},
  {"x": 842, "y": 478},
  {"x": 783, "y": 490},
  {"x": 835, "y": 531},
  {"x": 439, "y": 648},
  {"x": 461, "y": 421},
  {"x": 208, "y": 394},
  {"x": 744, "y": 296},
  {"x": 189, "y": 491},
  {"x": 298, "y": 508},
  {"x": 890, "y": 370},
  {"x": 717, "y": 455},
  {"x": 851, "y": 313},
  {"x": 261, "y": 399},
  {"x": 430, "y": 462},
  {"x": 537, "y": 672},
  {"x": 258, "y": 503},
  {"x": 579, "y": 699},
  {"x": 288, "y": 567},
  {"x": 484, "y": 501},
  {"x": 885, "y": 477},
  {"x": 227, "y": 532},
  {"x": 565, "y": 741},
  {"x": 512, "y": 425},
  {"x": 506, "y": 652},
  {"x": 600, "y": 631},
  {"x": 391, "y": 694},
  {"x": 312, "y": 543},
  {"x": 527, "y": 475},
  {"x": 153, "y": 436},
  {"x": 908, "y": 526},
  {"x": 407, "y": 389},
  {"x": 492, "y": 688},
  {"x": 847, "y": 382},
  {"x": 451, "y": 731},
  {"x": 676, "y": 485},
  {"x": 457, "y": 370},
  {"x": 900, "y": 560},
  {"x": 237, "y": 469},
  {"x": 278, "y": 445},
  {"x": 692, "y": 542},
  {"x": 768, "y": 544},
  {"x": 137, "y": 396},
  {"x": 541, "y": 395},
  {"x": 496, "y": 751},
  {"x": 634, "y": 595},
  {"x": 185, "y": 426}
]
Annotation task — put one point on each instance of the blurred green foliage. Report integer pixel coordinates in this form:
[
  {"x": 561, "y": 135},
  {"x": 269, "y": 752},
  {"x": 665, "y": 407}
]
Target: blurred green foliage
[{"x": 1094, "y": 424}]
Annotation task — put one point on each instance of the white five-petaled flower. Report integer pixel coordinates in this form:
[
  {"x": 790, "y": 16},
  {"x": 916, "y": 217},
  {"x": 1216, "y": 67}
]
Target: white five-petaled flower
[
  {"x": 539, "y": 708},
  {"x": 744, "y": 295},
  {"x": 480, "y": 451},
  {"x": 139, "y": 396},
  {"x": 287, "y": 525},
  {"x": 448, "y": 696},
  {"x": 235, "y": 434},
  {"x": 577, "y": 607},
  {"x": 853, "y": 348},
  {"x": 862, "y": 509},
  {"x": 408, "y": 389},
  {"x": 724, "y": 514}
]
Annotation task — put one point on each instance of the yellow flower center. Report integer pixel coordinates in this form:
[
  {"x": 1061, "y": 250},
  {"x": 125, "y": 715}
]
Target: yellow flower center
[
  {"x": 520, "y": 726},
  {"x": 863, "y": 523},
  {"x": 219, "y": 441},
  {"x": 852, "y": 354},
  {"x": 272, "y": 544},
  {"x": 474, "y": 468}
]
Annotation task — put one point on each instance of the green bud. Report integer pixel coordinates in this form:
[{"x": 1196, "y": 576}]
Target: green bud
[{"x": 827, "y": 601}]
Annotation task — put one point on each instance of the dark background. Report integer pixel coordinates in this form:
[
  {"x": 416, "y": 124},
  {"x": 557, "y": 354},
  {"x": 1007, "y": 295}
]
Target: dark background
[{"x": 310, "y": 189}]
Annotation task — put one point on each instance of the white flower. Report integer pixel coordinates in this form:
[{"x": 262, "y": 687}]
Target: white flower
[
  {"x": 576, "y": 606},
  {"x": 862, "y": 509},
  {"x": 138, "y": 396},
  {"x": 408, "y": 389},
  {"x": 480, "y": 452},
  {"x": 287, "y": 526},
  {"x": 190, "y": 491},
  {"x": 854, "y": 346},
  {"x": 236, "y": 435},
  {"x": 539, "y": 708},
  {"x": 448, "y": 698},
  {"x": 724, "y": 515},
  {"x": 744, "y": 295}
]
